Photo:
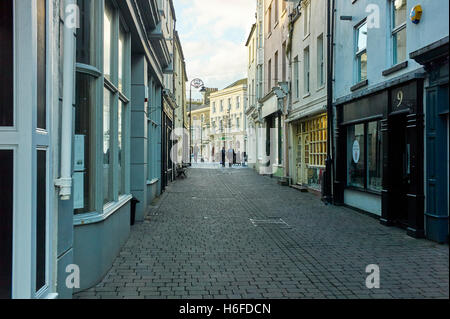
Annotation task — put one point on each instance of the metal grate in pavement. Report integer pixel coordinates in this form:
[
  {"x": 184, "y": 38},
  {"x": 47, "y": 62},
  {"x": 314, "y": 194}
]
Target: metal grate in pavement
[{"x": 270, "y": 222}]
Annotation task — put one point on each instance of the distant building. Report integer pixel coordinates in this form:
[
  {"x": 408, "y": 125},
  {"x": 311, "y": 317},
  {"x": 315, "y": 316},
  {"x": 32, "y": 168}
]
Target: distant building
[{"x": 228, "y": 118}]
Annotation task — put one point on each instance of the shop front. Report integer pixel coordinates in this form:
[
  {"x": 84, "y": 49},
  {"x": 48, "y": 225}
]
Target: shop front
[
  {"x": 311, "y": 150},
  {"x": 379, "y": 155}
]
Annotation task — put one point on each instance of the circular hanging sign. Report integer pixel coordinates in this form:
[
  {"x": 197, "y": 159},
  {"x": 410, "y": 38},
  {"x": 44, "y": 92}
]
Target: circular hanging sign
[
  {"x": 197, "y": 83},
  {"x": 356, "y": 152}
]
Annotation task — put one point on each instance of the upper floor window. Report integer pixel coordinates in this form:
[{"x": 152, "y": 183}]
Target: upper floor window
[
  {"x": 238, "y": 102},
  {"x": 306, "y": 19},
  {"x": 307, "y": 70},
  {"x": 269, "y": 19},
  {"x": 214, "y": 107},
  {"x": 296, "y": 78},
  {"x": 398, "y": 8},
  {"x": 221, "y": 105},
  {"x": 229, "y": 104},
  {"x": 361, "y": 52},
  {"x": 275, "y": 3},
  {"x": 320, "y": 62}
]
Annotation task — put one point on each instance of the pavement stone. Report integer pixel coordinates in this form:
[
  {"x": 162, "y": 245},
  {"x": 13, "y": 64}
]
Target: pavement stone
[{"x": 200, "y": 242}]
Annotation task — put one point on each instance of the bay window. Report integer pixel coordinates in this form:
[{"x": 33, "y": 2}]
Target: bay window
[{"x": 101, "y": 110}]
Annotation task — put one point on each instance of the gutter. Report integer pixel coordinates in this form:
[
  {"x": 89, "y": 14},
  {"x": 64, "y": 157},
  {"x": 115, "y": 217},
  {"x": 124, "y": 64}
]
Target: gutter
[{"x": 65, "y": 181}]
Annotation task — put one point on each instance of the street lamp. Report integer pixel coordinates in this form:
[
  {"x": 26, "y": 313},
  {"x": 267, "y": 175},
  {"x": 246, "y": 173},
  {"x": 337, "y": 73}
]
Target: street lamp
[{"x": 196, "y": 83}]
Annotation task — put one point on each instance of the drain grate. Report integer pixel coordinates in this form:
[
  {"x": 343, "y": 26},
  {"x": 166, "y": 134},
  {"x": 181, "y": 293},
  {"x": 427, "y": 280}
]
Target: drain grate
[{"x": 269, "y": 222}]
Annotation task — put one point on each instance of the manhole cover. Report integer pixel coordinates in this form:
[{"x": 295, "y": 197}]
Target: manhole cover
[{"x": 269, "y": 222}]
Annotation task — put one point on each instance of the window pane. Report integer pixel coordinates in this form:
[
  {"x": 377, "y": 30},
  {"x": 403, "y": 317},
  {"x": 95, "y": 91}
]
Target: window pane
[
  {"x": 355, "y": 155},
  {"x": 374, "y": 156},
  {"x": 84, "y": 141},
  {"x": 399, "y": 12},
  {"x": 41, "y": 219},
  {"x": 6, "y": 63},
  {"x": 41, "y": 65},
  {"x": 6, "y": 219},
  {"x": 86, "y": 35},
  {"x": 107, "y": 180},
  {"x": 120, "y": 139},
  {"x": 362, "y": 64},
  {"x": 400, "y": 46},
  {"x": 108, "y": 33},
  {"x": 362, "y": 37},
  {"x": 121, "y": 58}
]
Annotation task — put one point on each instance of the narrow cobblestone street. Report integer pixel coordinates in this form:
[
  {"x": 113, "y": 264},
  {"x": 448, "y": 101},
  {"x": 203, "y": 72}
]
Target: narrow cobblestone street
[{"x": 230, "y": 233}]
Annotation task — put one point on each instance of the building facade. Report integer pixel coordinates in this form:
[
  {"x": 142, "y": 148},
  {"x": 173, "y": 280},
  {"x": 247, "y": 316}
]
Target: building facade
[
  {"x": 389, "y": 110},
  {"x": 80, "y": 136},
  {"x": 203, "y": 150},
  {"x": 227, "y": 112},
  {"x": 274, "y": 101},
  {"x": 308, "y": 94}
]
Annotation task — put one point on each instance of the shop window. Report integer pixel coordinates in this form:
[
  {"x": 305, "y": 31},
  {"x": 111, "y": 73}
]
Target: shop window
[
  {"x": 6, "y": 63},
  {"x": 108, "y": 33},
  {"x": 364, "y": 156},
  {"x": 6, "y": 218},
  {"x": 374, "y": 157},
  {"x": 41, "y": 219},
  {"x": 398, "y": 30},
  {"x": 86, "y": 34},
  {"x": 361, "y": 52},
  {"x": 107, "y": 160},
  {"x": 355, "y": 155},
  {"x": 84, "y": 144},
  {"x": 41, "y": 64},
  {"x": 316, "y": 141}
]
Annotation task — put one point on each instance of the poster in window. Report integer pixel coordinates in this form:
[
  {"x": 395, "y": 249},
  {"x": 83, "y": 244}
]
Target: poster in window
[{"x": 78, "y": 190}]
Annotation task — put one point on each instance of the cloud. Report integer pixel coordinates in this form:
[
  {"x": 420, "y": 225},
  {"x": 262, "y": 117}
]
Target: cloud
[{"x": 213, "y": 34}]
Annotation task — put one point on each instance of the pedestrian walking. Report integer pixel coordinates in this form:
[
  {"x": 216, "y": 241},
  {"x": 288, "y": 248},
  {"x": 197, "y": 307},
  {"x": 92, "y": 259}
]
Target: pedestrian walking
[
  {"x": 223, "y": 156},
  {"x": 196, "y": 149},
  {"x": 230, "y": 156}
]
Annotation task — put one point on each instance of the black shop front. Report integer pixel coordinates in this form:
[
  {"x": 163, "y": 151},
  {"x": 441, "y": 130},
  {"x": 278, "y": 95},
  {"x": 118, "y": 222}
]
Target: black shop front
[{"x": 380, "y": 152}]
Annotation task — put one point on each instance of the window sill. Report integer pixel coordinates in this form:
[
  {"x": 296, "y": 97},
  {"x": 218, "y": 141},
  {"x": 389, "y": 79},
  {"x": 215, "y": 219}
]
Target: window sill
[
  {"x": 306, "y": 95},
  {"x": 362, "y": 190},
  {"x": 359, "y": 85},
  {"x": 108, "y": 210},
  {"x": 395, "y": 68},
  {"x": 320, "y": 88},
  {"x": 153, "y": 181}
]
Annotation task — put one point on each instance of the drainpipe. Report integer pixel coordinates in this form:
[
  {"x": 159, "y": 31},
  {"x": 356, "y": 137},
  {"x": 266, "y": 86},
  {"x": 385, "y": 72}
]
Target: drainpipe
[
  {"x": 65, "y": 181},
  {"x": 327, "y": 195}
]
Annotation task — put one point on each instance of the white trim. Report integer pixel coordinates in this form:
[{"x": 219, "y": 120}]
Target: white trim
[{"x": 96, "y": 217}]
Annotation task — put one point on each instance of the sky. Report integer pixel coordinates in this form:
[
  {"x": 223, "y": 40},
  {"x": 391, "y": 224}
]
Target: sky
[{"x": 213, "y": 35}]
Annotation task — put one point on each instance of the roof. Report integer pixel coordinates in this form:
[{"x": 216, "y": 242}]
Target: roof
[
  {"x": 196, "y": 107},
  {"x": 250, "y": 35},
  {"x": 239, "y": 82}
]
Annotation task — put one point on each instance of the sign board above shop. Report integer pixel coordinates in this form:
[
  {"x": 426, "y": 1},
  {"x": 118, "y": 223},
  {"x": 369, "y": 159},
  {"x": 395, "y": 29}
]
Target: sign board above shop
[{"x": 270, "y": 106}]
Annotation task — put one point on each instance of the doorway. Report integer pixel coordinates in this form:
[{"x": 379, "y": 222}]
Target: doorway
[{"x": 400, "y": 175}]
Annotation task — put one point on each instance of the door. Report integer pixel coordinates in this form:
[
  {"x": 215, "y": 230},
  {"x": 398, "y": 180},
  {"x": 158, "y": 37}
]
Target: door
[
  {"x": 299, "y": 158},
  {"x": 401, "y": 170}
]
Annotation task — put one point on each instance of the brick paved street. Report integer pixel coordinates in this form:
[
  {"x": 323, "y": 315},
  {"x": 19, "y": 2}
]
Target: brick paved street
[{"x": 205, "y": 239}]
